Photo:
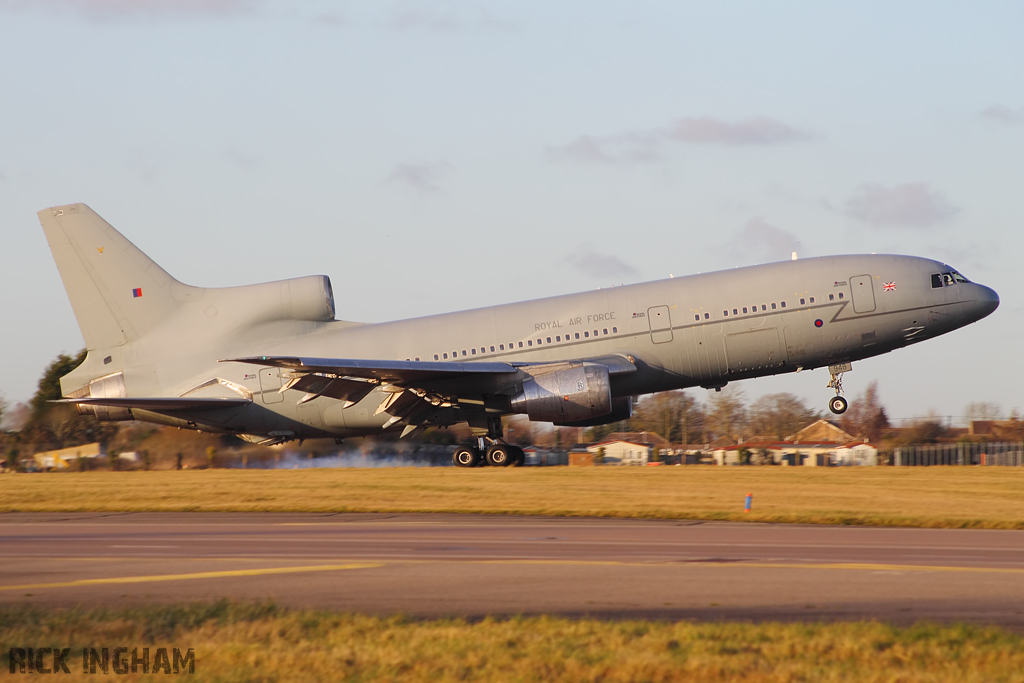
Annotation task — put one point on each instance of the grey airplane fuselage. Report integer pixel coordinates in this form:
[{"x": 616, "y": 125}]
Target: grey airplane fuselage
[{"x": 700, "y": 330}]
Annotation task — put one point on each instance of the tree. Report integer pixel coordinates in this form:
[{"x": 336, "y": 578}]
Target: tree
[
  {"x": 49, "y": 383},
  {"x": 983, "y": 410},
  {"x": 726, "y": 413},
  {"x": 779, "y": 415},
  {"x": 670, "y": 414},
  {"x": 866, "y": 418}
]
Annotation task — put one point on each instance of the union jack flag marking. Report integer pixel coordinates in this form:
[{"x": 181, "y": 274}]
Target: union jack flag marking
[{"x": 889, "y": 286}]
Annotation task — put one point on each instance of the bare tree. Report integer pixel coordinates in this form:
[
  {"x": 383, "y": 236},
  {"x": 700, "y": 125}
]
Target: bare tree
[
  {"x": 866, "y": 418},
  {"x": 779, "y": 415},
  {"x": 726, "y": 412},
  {"x": 673, "y": 415},
  {"x": 983, "y": 410}
]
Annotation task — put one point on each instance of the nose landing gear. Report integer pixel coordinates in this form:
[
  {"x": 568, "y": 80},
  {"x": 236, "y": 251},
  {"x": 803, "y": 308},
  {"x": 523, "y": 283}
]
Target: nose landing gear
[{"x": 838, "y": 404}]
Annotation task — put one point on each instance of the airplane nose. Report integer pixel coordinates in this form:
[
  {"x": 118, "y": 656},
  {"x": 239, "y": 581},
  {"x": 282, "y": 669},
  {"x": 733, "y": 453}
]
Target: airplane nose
[{"x": 986, "y": 300}]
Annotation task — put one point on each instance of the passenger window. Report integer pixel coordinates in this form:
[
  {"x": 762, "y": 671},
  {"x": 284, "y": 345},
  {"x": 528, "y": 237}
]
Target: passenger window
[
  {"x": 474, "y": 352},
  {"x": 558, "y": 338},
  {"x": 520, "y": 344},
  {"x": 696, "y": 317},
  {"x": 605, "y": 330},
  {"x": 831, "y": 297},
  {"x": 783, "y": 304},
  {"x": 812, "y": 299},
  {"x": 773, "y": 305},
  {"x": 417, "y": 357},
  {"x": 577, "y": 335},
  {"x": 548, "y": 340},
  {"x": 801, "y": 302},
  {"x": 840, "y": 295},
  {"x": 707, "y": 316},
  {"x": 586, "y": 334},
  {"x": 615, "y": 330},
  {"x": 464, "y": 352},
  {"x": 735, "y": 312},
  {"x": 744, "y": 309},
  {"x": 455, "y": 354},
  {"x": 725, "y": 313},
  {"x": 446, "y": 356},
  {"x": 595, "y": 333},
  {"x": 529, "y": 342},
  {"x": 492, "y": 349},
  {"x": 763, "y": 307},
  {"x": 501, "y": 347},
  {"x": 484, "y": 350},
  {"x": 435, "y": 356}
]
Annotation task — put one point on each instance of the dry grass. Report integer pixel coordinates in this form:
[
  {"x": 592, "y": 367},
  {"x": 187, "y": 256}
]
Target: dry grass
[
  {"x": 977, "y": 497},
  {"x": 246, "y": 642}
]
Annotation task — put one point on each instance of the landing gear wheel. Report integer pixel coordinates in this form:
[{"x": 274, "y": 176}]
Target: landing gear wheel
[
  {"x": 464, "y": 456},
  {"x": 499, "y": 455},
  {"x": 518, "y": 457},
  {"x": 838, "y": 405}
]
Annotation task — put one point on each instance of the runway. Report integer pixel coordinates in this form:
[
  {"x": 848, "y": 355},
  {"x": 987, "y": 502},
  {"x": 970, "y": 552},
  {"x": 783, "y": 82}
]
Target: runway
[{"x": 463, "y": 565}]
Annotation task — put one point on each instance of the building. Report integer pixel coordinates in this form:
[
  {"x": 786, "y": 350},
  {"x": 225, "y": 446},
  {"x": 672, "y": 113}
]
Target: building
[
  {"x": 67, "y": 457},
  {"x": 822, "y": 431},
  {"x": 856, "y": 453},
  {"x": 628, "y": 448}
]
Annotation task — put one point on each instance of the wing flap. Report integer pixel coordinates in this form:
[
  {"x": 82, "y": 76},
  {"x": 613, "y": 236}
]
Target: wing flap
[{"x": 404, "y": 371}]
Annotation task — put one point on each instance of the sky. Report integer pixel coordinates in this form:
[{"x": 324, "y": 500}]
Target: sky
[{"x": 438, "y": 156}]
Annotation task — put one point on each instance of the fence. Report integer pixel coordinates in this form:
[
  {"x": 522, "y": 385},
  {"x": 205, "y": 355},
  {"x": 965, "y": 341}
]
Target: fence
[{"x": 1005, "y": 453}]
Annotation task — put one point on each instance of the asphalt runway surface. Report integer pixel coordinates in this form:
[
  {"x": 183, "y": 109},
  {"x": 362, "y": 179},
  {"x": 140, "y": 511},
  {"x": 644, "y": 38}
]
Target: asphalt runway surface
[{"x": 466, "y": 565}]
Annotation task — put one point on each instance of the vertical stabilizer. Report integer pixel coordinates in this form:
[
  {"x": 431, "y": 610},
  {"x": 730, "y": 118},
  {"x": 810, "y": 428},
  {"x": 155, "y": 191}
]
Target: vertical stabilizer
[{"x": 117, "y": 292}]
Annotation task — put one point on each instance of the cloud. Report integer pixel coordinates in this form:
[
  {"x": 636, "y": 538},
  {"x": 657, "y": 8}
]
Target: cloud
[
  {"x": 424, "y": 19},
  {"x": 420, "y": 177},
  {"x": 118, "y": 9},
  {"x": 913, "y": 205},
  {"x": 418, "y": 18},
  {"x": 330, "y": 20},
  {"x": 241, "y": 158},
  {"x": 636, "y": 147},
  {"x": 759, "y": 130},
  {"x": 594, "y": 263},
  {"x": 763, "y": 242},
  {"x": 1004, "y": 114},
  {"x": 625, "y": 149}
]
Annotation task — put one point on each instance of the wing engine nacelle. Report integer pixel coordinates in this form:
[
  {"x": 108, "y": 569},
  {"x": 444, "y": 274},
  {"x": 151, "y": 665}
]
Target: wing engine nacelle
[
  {"x": 622, "y": 409},
  {"x": 564, "y": 392}
]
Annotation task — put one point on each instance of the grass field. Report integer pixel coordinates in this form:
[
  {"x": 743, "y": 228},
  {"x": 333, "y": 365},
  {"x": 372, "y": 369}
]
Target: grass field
[
  {"x": 259, "y": 642},
  {"x": 949, "y": 497}
]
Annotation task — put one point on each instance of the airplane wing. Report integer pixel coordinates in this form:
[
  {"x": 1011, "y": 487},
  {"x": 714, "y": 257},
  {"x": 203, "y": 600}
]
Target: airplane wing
[
  {"x": 413, "y": 387},
  {"x": 161, "y": 405}
]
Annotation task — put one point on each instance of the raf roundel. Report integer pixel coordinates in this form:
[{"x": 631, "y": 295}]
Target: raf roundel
[{"x": 818, "y": 323}]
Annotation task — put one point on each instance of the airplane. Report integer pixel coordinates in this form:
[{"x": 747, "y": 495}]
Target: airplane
[{"x": 270, "y": 362}]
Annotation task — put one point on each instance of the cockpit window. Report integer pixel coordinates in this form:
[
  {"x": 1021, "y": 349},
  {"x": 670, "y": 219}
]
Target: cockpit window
[{"x": 947, "y": 279}]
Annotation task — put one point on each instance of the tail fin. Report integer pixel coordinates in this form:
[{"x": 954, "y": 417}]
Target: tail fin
[{"x": 117, "y": 292}]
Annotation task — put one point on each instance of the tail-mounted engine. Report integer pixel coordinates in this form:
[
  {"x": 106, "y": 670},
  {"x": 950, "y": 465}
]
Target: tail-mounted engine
[
  {"x": 111, "y": 386},
  {"x": 564, "y": 392}
]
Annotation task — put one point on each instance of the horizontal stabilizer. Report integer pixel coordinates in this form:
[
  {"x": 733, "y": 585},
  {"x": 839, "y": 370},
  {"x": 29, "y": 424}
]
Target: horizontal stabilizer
[{"x": 161, "y": 405}]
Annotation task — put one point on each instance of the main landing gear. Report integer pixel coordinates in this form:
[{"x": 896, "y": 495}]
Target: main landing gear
[
  {"x": 491, "y": 452},
  {"x": 838, "y": 404}
]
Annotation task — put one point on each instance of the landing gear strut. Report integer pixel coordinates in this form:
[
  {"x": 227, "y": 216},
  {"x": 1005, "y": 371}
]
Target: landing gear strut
[{"x": 838, "y": 404}]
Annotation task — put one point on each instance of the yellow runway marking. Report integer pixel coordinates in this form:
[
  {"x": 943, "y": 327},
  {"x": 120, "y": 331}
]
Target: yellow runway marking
[{"x": 197, "y": 575}]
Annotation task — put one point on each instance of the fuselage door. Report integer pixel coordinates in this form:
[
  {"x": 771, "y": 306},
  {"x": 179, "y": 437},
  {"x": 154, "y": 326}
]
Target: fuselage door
[
  {"x": 270, "y": 382},
  {"x": 661, "y": 324},
  {"x": 863, "y": 294}
]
